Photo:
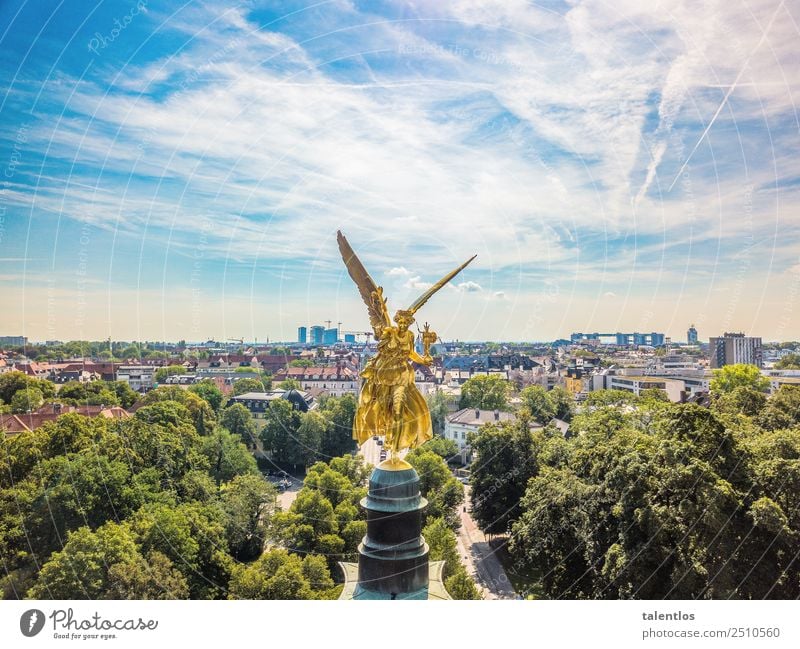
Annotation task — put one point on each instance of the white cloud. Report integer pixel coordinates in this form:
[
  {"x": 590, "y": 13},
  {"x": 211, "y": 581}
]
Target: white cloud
[{"x": 469, "y": 287}]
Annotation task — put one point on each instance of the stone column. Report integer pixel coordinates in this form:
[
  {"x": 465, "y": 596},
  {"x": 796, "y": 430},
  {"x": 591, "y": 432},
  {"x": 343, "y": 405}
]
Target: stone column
[{"x": 393, "y": 557}]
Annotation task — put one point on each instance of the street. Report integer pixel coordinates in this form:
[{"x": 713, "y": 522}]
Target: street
[
  {"x": 480, "y": 559},
  {"x": 371, "y": 452},
  {"x": 286, "y": 498}
]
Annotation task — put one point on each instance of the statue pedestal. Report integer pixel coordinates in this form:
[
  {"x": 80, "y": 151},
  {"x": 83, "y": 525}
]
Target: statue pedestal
[{"x": 393, "y": 557}]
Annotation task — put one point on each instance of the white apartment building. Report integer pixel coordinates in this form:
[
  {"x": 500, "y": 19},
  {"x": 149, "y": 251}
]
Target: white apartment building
[{"x": 140, "y": 378}]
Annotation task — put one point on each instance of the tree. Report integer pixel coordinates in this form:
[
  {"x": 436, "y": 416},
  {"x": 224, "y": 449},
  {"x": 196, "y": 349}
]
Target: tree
[
  {"x": 170, "y": 370},
  {"x": 162, "y": 437},
  {"x": 165, "y": 413},
  {"x": 151, "y": 577},
  {"x": 461, "y": 586},
  {"x": 227, "y": 456},
  {"x": 242, "y": 386},
  {"x": 310, "y": 433},
  {"x": 27, "y": 400},
  {"x": 437, "y": 484},
  {"x": 602, "y": 398},
  {"x": 81, "y": 569},
  {"x": 782, "y": 410},
  {"x": 729, "y": 377},
  {"x": 279, "y": 433},
  {"x": 563, "y": 403},
  {"x": 278, "y": 574},
  {"x": 444, "y": 448},
  {"x": 202, "y": 415},
  {"x": 506, "y": 458},
  {"x": 209, "y": 392},
  {"x": 679, "y": 505},
  {"x": 743, "y": 400},
  {"x": 125, "y": 394},
  {"x": 302, "y": 362},
  {"x": 337, "y": 439},
  {"x": 13, "y": 382},
  {"x": 438, "y": 407},
  {"x": 352, "y": 467},
  {"x": 248, "y": 501},
  {"x": 790, "y": 361},
  {"x": 537, "y": 402},
  {"x": 237, "y": 419},
  {"x": 193, "y": 536},
  {"x": 487, "y": 392}
]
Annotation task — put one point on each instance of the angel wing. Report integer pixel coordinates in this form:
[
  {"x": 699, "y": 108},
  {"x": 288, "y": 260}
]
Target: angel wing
[
  {"x": 427, "y": 294},
  {"x": 371, "y": 293}
]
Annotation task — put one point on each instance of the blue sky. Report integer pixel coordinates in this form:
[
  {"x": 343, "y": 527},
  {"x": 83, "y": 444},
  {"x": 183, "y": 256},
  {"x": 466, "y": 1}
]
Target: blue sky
[{"x": 180, "y": 170}]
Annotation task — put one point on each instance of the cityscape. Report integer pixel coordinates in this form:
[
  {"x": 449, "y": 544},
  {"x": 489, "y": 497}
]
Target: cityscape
[{"x": 284, "y": 411}]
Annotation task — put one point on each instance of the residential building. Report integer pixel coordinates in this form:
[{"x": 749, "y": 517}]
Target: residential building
[
  {"x": 732, "y": 348},
  {"x": 258, "y": 402},
  {"x": 691, "y": 335},
  {"x": 140, "y": 378},
  {"x": 468, "y": 420},
  {"x": 672, "y": 364},
  {"x": 636, "y": 384},
  {"x": 337, "y": 380}
]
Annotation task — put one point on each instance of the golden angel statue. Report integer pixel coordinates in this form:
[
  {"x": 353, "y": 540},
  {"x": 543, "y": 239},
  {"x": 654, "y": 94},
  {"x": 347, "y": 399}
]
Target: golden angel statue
[{"x": 389, "y": 403}]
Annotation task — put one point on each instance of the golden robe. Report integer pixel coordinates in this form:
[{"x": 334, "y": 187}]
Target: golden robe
[{"x": 389, "y": 403}]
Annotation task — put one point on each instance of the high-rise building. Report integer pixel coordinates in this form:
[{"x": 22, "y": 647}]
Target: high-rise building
[
  {"x": 301, "y": 334},
  {"x": 349, "y": 338},
  {"x": 317, "y": 333},
  {"x": 732, "y": 348},
  {"x": 330, "y": 336},
  {"x": 691, "y": 335},
  {"x": 13, "y": 341}
]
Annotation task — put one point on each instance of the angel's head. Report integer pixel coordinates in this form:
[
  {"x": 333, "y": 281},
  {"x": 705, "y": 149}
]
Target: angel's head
[{"x": 404, "y": 319}]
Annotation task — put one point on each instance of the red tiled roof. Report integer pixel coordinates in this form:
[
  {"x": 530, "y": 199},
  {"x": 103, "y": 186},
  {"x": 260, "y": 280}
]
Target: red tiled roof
[{"x": 12, "y": 424}]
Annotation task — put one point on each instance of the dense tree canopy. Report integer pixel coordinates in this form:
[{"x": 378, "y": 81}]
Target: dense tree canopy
[
  {"x": 209, "y": 392},
  {"x": 236, "y": 418},
  {"x": 438, "y": 407},
  {"x": 730, "y": 377},
  {"x": 244, "y": 385},
  {"x": 13, "y": 382},
  {"x": 650, "y": 499},
  {"x": 144, "y": 507}
]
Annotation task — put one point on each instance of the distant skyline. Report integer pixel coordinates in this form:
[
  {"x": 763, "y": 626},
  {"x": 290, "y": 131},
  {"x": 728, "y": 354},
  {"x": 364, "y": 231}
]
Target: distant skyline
[{"x": 178, "y": 171}]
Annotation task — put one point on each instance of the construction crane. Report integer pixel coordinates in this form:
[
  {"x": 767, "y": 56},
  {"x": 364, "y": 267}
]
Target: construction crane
[{"x": 327, "y": 324}]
